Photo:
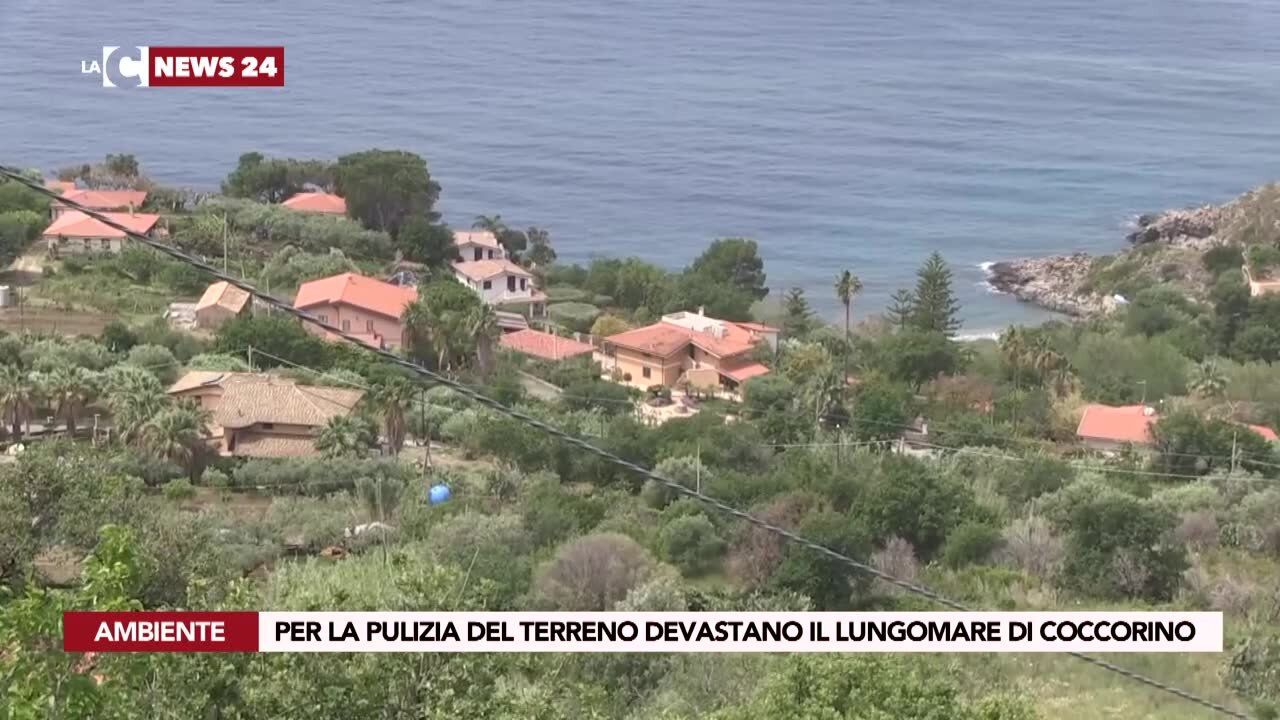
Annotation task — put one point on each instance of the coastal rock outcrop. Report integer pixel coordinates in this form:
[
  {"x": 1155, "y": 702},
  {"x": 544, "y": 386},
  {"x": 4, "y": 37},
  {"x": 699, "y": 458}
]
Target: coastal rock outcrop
[
  {"x": 1182, "y": 226},
  {"x": 1056, "y": 282}
]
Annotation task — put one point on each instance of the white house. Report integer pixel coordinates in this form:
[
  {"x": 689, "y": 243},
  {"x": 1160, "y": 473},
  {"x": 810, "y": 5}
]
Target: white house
[
  {"x": 476, "y": 245},
  {"x": 501, "y": 282}
]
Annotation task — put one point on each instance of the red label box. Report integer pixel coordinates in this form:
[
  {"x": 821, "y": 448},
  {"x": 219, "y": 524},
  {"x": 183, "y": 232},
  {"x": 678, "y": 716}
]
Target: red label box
[
  {"x": 160, "y": 632},
  {"x": 216, "y": 66}
]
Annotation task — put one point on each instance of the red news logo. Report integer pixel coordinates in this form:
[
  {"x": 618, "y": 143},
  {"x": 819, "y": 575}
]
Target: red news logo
[{"x": 205, "y": 66}]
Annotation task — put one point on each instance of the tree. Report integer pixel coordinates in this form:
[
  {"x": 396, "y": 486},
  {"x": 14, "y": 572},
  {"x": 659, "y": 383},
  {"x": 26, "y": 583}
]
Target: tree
[
  {"x": 429, "y": 243},
  {"x": 69, "y": 389},
  {"x": 133, "y": 396},
  {"x": 935, "y": 308},
  {"x": 385, "y": 187},
  {"x": 482, "y": 324},
  {"x": 155, "y": 359},
  {"x": 273, "y": 180},
  {"x": 540, "y": 252},
  {"x": 1258, "y": 342},
  {"x": 1120, "y": 547},
  {"x": 917, "y": 357},
  {"x": 692, "y": 543},
  {"x": 18, "y": 229},
  {"x": 607, "y": 325},
  {"x": 593, "y": 572},
  {"x": 512, "y": 240},
  {"x": 177, "y": 434},
  {"x": 735, "y": 262},
  {"x": 884, "y": 408},
  {"x": 17, "y": 398},
  {"x": 273, "y": 335},
  {"x": 345, "y": 436},
  {"x": 847, "y": 287},
  {"x": 828, "y": 582},
  {"x": 1208, "y": 381},
  {"x": 439, "y": 323},
  {"x": 797, "y": 316},
  {"x": 901, "y": 307},
  {"x": 392, "y": 399}
]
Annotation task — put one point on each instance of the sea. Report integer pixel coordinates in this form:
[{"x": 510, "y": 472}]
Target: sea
[{"x": 857, "y": 134}]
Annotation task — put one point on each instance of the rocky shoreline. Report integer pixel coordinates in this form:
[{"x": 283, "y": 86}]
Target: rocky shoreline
[{"x": 1061, "y": 282}]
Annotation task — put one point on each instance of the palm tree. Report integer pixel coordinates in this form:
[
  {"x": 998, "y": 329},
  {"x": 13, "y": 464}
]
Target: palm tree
[
  {"x": 17, "y": 398},
  {"x": 345, "y": 436},
  {"x": 69, "y": 389},
  {"x": 492, "y": 223},
  {"x": 392, "y": 400},
  {"x": 847, "y": 286},
  {"x": 133, "y": 396},
  {"x": 177, "y": 434},
  {"x": 1013, "y": 345},
  {"x": 1209, "y": 381},
  {"x": 482, "y": 324}
]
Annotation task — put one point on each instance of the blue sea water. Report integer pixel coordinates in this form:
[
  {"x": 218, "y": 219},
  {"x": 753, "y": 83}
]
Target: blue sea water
[{"x": 838, "y": 133}]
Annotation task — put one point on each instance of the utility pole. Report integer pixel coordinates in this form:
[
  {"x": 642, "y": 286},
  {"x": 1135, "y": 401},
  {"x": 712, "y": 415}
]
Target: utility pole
[
  {"x": 426, "y": 430},
  {"x": 250, "y": 358},
  {"x": 224, "y": 242},
  {"x": 1143, "y": 383},
  {"x": 698, "y": 471},
  {"x": 1233, "y": 452}
]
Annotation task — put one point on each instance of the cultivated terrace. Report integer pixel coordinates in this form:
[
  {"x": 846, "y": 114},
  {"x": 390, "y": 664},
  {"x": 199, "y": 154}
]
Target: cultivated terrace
[{"x": 970, "y": 467}]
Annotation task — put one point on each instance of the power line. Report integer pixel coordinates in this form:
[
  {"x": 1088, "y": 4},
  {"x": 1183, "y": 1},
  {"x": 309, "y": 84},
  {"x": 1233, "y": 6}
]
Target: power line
[{"x": 583, "y": 445}]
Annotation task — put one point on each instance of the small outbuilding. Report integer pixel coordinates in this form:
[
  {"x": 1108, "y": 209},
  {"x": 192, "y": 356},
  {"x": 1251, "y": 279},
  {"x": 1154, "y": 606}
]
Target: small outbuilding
[{"x": 221, "y": 302}]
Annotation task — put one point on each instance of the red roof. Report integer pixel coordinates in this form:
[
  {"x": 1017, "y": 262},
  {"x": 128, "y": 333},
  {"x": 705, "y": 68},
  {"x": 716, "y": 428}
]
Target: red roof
[
  {"x": 317, "y": 202},
  {"x": 106, "y": 199},
  {"x": 358, "y": 291},
  {"x": 74, "y": 223},
  {"x": 1266, "y": 432},
  {"x": 743, "y": 373},
  {"x": 543, "y": 345},
  {"x": 665, "y": 338},
  {"x": 1129, "y": 423}
]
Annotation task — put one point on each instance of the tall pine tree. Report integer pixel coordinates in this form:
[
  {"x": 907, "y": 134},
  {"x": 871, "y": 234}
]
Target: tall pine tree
[
  {"x": 797, "y": 316},
  {"x": 901, "y": 306},
  {"x": 935, "y": 307}
]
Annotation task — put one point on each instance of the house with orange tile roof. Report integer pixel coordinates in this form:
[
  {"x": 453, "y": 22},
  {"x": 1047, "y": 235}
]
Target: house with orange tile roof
[
  {"x": 322, "y": 203},
  {"x": 542, "y": 345},
  {"x": 74, "y": 232},
  {"x": 687, "y": 348},
  {"x": 1107, "y": 428},
  {"x": 259, "y": 415},
  {"x": 220, "y": 302},
  {"x": 363, "y": 306},
  {"x": 501, "y": 282},
  {"x": 101, "y": 200}
]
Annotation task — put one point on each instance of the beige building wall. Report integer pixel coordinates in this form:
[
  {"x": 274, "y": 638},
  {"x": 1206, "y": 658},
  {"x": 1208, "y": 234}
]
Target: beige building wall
[
  {"x": 231, "y": 438},
  {"x": 355, "y": 320},
  {"x": 213, "y": 316},
  {"x": 662, "y": 371},
  {"x": 64, "y": 245}
]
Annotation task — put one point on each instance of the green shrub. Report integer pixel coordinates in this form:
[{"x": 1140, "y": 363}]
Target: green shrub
[
  {"x": 1121, "y": 547},
  {"x": 692, "y": 544},
  {"x": 179, "y": 489},
  {"x": 575, "y": 315},
  {"x": 565, "y": 294},
  {"x": 1222, "y": 258},
  {"x": 970, "y": 544}
]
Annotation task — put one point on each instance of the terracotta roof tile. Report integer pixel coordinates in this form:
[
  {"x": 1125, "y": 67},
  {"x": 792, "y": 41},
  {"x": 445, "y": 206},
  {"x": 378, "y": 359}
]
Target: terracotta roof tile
[
  {"x": 476, "y": 237},
  {"x": 106, "y": 199},
  {"x": 358, "y": 291},
  {"x": 485, "y": 269},
  {"x": 74, "y": 223},
  {"x": 266, "y": 445},
  {"x": 743, "y": 373},
  {"x": 317, "y": 202},
  {"x": 223, "y": 294},
  {"x": 1266, "y": 432},
  {"x": 543, "y": 345},
  {"x": 664, "y": 338},
  {"x": 249, "y": 398},
  {"x": 1128, "y": 423}
]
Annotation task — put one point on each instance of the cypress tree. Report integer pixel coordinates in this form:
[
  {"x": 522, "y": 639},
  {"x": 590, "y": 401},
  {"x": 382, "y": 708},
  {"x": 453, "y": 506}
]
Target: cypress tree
[
  {"x": 797, "y": 316},
  {"x": 901, "y": 306}
]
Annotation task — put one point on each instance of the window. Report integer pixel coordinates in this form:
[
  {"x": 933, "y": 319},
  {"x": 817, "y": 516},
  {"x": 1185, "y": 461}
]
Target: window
[
  {"x": 479, "y": 254},
  {"x": 490, "y": 254},
  {"x": 524, "y": 284},
  {"x": 346, "y": 326},
  {"x": 511, "y": 283},
  {"x": 368, "y": 326},
  {"x": 268, "y": 426},
  {"x": 488, "y": 284},
  {"x": 645, "y": 372},
  {"x": 323, "y": 318},
  {"x": 106, "y": 244}
]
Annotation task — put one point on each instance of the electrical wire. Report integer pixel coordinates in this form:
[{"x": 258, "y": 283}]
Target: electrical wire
[{"x": 462, "y": 389}]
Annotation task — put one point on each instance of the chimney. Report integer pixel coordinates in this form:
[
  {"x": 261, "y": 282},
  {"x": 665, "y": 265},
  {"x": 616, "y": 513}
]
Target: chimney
[{"x": 702, "y": 310}]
